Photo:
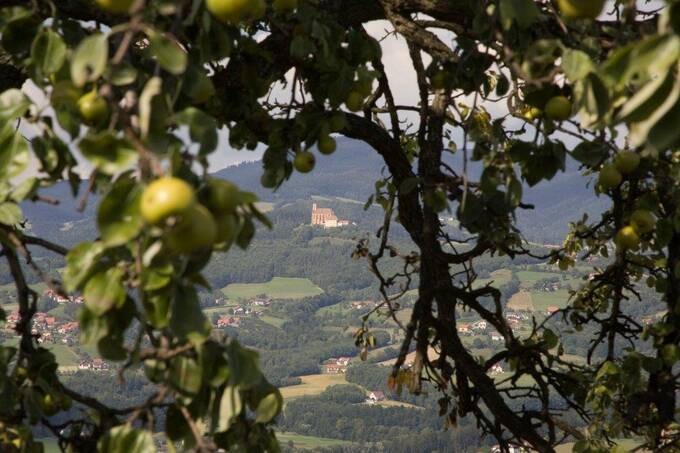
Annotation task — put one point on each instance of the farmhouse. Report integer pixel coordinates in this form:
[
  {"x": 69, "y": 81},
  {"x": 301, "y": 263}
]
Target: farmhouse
[
  {"x": 464, "y": 328},
  {"x": 260, "y": 302},
  {"x": 61, "y": 299},
  {"x": 13, "y": 320},
  {"x": 326, "y": 217},
  {"x": 479, "y": 325},
  {"x": 93, "y": 364},
  {"x": 228, "y": 321},
  {"x": 335, "y": 365},
  {"x": 496, "y": 369},
  {"x": 361, "y": 304},
  {"x": 375, "y": 396},
  {"x": 495, "y": 336},
  {"x": 552, "y": 309},
  {"x": 67, "y": 327}
]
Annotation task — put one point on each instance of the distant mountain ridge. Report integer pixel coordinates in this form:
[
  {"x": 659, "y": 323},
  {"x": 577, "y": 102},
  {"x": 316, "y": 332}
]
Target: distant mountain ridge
[{"x": 351, "y": 173}]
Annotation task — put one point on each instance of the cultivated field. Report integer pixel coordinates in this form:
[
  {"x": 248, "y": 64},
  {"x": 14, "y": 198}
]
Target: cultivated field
[
  {"x": 313, "y": 384},
  {"x": 308, "y": 442},
  {"x": 521, "y": 301},
  {"x": 277, "y": 288}
]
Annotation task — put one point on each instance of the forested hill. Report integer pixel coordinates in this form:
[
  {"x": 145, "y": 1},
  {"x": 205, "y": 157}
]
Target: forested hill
[
  {"x": 353, "y": 169},
  {"x": 351, "y": 173}
]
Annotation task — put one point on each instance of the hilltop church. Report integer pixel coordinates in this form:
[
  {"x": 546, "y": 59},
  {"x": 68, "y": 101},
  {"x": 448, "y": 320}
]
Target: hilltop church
[{"x": 326, "y": 217}]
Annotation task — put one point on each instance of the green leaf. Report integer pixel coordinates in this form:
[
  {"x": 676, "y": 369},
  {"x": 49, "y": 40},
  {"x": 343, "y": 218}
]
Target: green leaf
[
  {"x": 123, "y": 75},
  {"x": 153, "y": 88},
  {"x": 157, "y": 307},
  {"x": 186, "y": 375},
  {"x": 202, "y": 128},
  {"x": 231, "y": 406},
  {"x": 576, "y": 64},
  {"x": 48, "y": 52},
  {"x": 105, "y": 290},
  {"x": 79, "y": 263},
  {"x": 187, "y": 320},
  {"x": 108, "y": 153},
  {"x": 640, "y": 131},
  {"x": 589, "y": 153},
  {"x": 10, "y": 213},
  {"x": 647, "y": 99},
  {"x": 24, "y": 189},
  {"x": 168, "y": 53},
  {"x": 13, "y": 104},
  {"x": 269, "y": 407},
  {"x": 118, "y": 217},
  {"x": 524, "y": 12},
  {"x": 14, "y": 153},
  {"x": 126, "y": 439},
  {"x": 89, "y": 59}
]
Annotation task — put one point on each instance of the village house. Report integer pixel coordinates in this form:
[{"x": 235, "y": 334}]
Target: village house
[
  {"x": 479, "y": 325},
  {"x": 242, "y": 311},
  {"x": 516, "y": 315},
  {"x": 228, "y": 321},
  {"x": 68, "y": 327},
  {"x": 326, "y": 217},
  {"x": 552, "y": 309},
  {"x": 361, "y": 304},
  {"x": 464, "y": 328},
  {"x": 63, "y": 300},
  {"x": 375, "y": 396},
  {"x": 647, "y": 320},
  {"x": 495, "y": 336},
  {"x": 93, "y": 365},
  {"x": 260, "y": 302},
  {"x": 496, "y": 369},
  {"x": 13, "y": 320},
  {"x": 335, "y": 365},
  {"x": 509, "y": 449}
]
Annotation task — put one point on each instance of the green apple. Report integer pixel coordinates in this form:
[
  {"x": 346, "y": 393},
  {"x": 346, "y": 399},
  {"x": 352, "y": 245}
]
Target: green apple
[
  {"x": 226, "y": 228},
  {"x": 327, "y": 145},
  {"x": 304, "y": 161},
  {"x": 49, "y": 405},
  {"x": 223, "y": 196},
  {"x": 166, "y": 197},
  {"x": 532, "y": 113},
  {"x": 627, "y": 238},
  {"x": 609, "y": 177},
  {"x": 558, "y": 108},
  {"x": 195, "y": 231},
  {"x": 93, "y": 109},
  {"x": 355, "y": 101},
  {"x": 115, "y": 6},
  {"x": 627, "y": 162},
  {"x": 231, "y": 11},
  {"x": 643, "y": 221},
  {"x": 581, "y": 9}
]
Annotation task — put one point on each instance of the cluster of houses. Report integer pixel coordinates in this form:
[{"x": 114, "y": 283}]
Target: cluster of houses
[
  {"x": 361, "y": 304},
  {"x": 61, "y": 299},
  {"x": 46, "y": 327},
  {"x": 335, "y": 365},
  {"x": 228, "y": 321},
  {"x": 96, "y": 364}
]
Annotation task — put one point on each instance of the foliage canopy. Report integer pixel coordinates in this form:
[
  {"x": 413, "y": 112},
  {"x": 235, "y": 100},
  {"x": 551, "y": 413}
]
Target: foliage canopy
[{"x": 139, "y": 91}]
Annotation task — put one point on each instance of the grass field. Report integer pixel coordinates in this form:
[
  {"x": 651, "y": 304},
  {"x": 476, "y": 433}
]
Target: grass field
[
  {"x": 331, "y": 240},
  {"x": 273, "y": 320},
  {"x": 499, "y": 277},
  {"x": 521, "y": 301},
  {"x": 65, "y": 355},
  {"x": 306, "y": 442},
  {"x": 277, "y": 288},
  {"x": 527, "y": 279},
  {"x": 313, "y": 384},
  {"x": 541, "y": 300}
]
